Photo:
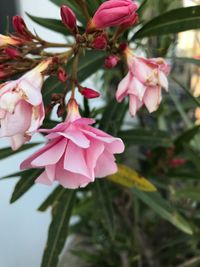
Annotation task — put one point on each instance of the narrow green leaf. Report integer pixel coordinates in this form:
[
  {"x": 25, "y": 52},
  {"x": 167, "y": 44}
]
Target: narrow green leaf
[
  {"x": 174, "y": 21},
  {"x": 51, "y": 24},
  {"x": 187, "y": 60},
  {"x": 52, "y": 198},
  {"x": 186, "y": 136},
  {"x": 146, "y": 137},
  {"x": 25, "y": 183},
  {"x": 105, "y": 202},
  {"x": 163, "y": 208},
  {"x": 192, "y": 193},
  {"x": 7, "y": 151},
  {"x": 58, "y": 229},
  {"x": 12, "y": 175}
]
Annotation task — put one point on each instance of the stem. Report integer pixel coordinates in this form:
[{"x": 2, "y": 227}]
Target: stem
[
  {"x": 84, "y": 9},
  {"x": 74, "y": 74}
]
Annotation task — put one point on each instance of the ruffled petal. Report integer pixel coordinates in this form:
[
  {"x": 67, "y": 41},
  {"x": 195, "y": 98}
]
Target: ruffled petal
[
  {"x": 105, "y": 165},
  {"x": 122, "y": 90},
  {"x": 43, "y": 179},
  {"x": 152, "y": 98}
]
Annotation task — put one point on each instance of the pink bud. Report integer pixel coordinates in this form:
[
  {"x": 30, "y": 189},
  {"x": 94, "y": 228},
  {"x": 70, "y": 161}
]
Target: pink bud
[
  {"x": 114, "y": 13},
  {"x": 89, "y": 93},
  {"x": 12, "y": 52},
  {"x": 62, "y": 75},
  {"x": 21, "y": 28},
  {"x": 68, "y": 17},
  {"x": 176, "y": 162},
  {"x": 100, "y": 42},
  {"x": 111, "y": 61}
]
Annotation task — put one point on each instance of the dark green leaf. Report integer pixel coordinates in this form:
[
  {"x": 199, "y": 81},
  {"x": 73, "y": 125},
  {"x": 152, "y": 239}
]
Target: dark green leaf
[
  {"x": 26, "y": 181},
  {"x": 105, "y": 203},
  {"x": 52, "y": 198},
  {"x": 58, "y": 229},
  {"x": 174, "y": 21},
  {"x": 187, "y": 136},
  {"x": 146, "y": 137},
  {"x": 7, "y": 151},
  {"x": 163, "y": 208},
  {"x": 187, "y": 60},
  {"x": 52, "y": 24}
]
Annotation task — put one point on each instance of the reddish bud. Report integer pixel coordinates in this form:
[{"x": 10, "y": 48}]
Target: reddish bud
[
  {"x": 62, "y": 75},
  {"x": 114, "y": 13},
  {"x": 21, "y": 28},
  {"x": 123, "y": 47},
  {"x": 61, "y": 110},
  {"x": 68, "y": 17},
  {"x": 100, "y": 42},
  {"x": 89, "y": 93},
  {"x": 111, "y": 61},
  {"x": 12, "y": 52},
  {"x": 176, "y": 162}
]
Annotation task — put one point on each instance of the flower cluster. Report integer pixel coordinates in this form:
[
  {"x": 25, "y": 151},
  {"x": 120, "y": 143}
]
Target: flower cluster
[{"x": 76, "y": 153}]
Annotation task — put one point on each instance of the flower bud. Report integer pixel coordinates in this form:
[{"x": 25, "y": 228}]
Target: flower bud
[
  {"x": 62, "y": 75},
  {"x": 177, "y": 162},
  {"x": 12, "y": 52},
  {"x": 21, "y": 28},
  {"x": 89, "y": 93},
  {"x": 111, "y": 61},
  {"x": 114, "y": 13},
  {"x": 68, "y": 17},
  {"x": 100, "y": 42}
]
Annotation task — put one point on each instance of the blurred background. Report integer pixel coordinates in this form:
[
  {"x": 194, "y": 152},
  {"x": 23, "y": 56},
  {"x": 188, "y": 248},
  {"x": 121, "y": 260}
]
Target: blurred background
[{"x": 23, "y": 230}]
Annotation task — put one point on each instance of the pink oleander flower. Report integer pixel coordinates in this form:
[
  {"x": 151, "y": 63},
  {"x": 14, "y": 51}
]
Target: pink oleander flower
[
  {"x": 143, "y": 82},
  {"x": 76, "y": 152},
  {"x": 7, "y": 40},
  {"x": 21, "y": 106},
  {"x": 114, "y": 13},
  {"x": 68, "y": 17}
]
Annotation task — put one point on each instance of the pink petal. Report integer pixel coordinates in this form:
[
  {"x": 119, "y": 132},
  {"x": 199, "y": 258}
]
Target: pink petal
[
  {"x": 76, "y": 137},
  {"x": 69, "y": 179},
  {"x": 137, "y": 88},
  {"x": 34, "y": 96},
  {"x": 152, "y": 98},
  {"x": 19, "y": 121},
  {"x": 50, "y": 171},
  {"x": 17, "y": 141},
  {"x": 92, "y": 154},
  {"x": 75, "y": 160},
  {"x": 52, "y": 155},
  {"x": 105, "y": 165},
  {"x": 43, "y": 179},
  {"x": 122, "y": 90},
  {"x": 116, "y": 147},
  {"x": 163, "y": 80},
  {"x": 134, "y": 105},
  {"x": 26, "y": 164}
]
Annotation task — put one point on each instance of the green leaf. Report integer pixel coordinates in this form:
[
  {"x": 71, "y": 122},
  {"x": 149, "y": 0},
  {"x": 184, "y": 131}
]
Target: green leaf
[
  {"x": 58, "y": 229},
  {"x": 187, "y": 136},
  {"x": 146, "y": 137},
  {"x": 25, "y": 183},
  {"x": 113, "y": 116},
  {"x": 155, "y": 201},
  {"x": 52, "y": 198},
  {"x": 192, "y": 193},
  {"x": 187, "y": 60},
  {"x": 174, "y": 21},
  {"x": 7, "y": 151},
  {"x": 105, "y": 203},
  {"x": 51, "y": 24}
]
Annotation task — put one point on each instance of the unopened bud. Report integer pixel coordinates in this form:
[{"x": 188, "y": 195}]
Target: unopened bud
[
  {"x": 89, "y": 93},
  {"x": 68, "y": 17},
  {"x": 111, "y": 61},
  {"x": 100, "y": 42},
  {"x": 61, "y": 110},
  {"x": 12, "y": 52},
  {"x": 21, "y": 28},
  {"x": 62, "y": 75}
]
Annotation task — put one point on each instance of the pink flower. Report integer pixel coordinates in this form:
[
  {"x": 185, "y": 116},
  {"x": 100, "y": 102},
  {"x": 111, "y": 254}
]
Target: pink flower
[
  {"x": 114, "y": 13},
  {"x": 21, "y": 106},
  {"x": 111, "y": 61},
  {"x": 7, "y": 40},
  {"x": 76, "y": 152},
  {"x": 143, "y": 82}
]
